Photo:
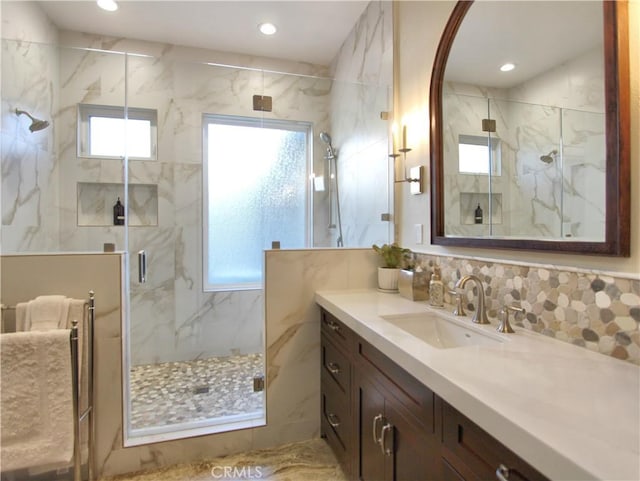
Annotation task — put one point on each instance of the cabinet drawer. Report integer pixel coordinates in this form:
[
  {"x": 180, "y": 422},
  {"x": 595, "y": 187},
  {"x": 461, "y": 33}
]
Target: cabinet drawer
[
  {"x": 335, "y": 366},
  {"x": 472, "y": 451},
  {"x": 335, "y": 330},
  {"x": 336, "y": 415}
]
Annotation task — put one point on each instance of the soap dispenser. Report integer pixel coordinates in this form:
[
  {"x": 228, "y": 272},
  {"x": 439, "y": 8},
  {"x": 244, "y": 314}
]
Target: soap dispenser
[
  {"x": 478, "y": 215},
  {"x": 436, "y": 289},
  {"x": 118, "y": 213}
]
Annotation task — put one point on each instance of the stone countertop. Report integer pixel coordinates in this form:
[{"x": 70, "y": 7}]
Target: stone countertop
[{"x": 571, "y": 413}]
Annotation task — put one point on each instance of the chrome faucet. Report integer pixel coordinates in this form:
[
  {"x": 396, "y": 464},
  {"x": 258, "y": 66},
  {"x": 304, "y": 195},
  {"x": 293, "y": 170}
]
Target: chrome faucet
[{"x": 480, "y": 316}]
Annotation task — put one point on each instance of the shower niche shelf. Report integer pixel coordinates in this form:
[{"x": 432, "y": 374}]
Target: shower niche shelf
[
  {"x": 96, "y": 200},
  {"x": 469, "y": 201}
]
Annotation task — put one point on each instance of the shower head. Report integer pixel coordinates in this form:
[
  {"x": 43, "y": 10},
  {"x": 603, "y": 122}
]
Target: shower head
[
  {"x": 550, "y": 157},
  {"x": 36, "y": 124},
  {"x": 326, "y": 138}
]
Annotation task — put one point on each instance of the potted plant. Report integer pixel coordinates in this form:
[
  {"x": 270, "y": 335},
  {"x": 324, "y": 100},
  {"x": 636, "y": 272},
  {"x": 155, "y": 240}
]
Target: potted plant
[{"x": 393, "y": 258}]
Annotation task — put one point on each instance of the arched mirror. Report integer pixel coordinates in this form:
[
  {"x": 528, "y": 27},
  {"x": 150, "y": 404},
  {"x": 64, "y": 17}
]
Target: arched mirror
[{"x": 532, "y": 155}]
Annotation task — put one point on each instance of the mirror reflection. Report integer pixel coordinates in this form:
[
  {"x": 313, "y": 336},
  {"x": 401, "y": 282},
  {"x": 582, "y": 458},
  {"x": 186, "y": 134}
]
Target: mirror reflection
[{"x": 523, "y": 123}]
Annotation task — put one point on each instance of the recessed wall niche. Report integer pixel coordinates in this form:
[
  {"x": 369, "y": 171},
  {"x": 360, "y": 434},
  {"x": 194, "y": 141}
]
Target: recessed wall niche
[
  {"x": 96, "y": 201},
  {"x": 469, "y": 202}
]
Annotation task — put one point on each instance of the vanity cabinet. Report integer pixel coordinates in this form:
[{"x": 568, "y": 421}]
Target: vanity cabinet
[
  {"x": 336, "y": 422},
  {"x": 395, "y": 414},
  {"x": 470, "y": 454},
  {"x": 385, "y": 425}
]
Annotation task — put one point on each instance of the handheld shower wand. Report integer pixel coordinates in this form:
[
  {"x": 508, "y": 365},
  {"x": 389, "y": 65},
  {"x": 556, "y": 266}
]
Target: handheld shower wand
[
  {"x": 36, "y": 124},
  {"x": 332, "y": 157}
]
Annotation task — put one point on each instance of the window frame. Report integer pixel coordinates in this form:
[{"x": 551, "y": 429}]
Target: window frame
[
  {"x": 492, "y": 143},
  {"x": 86, "y": 111},
  {"x": 244, "y": 121}
]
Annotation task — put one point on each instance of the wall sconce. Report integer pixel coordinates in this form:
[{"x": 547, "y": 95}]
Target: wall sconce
[{"x": 415, "y": 179}]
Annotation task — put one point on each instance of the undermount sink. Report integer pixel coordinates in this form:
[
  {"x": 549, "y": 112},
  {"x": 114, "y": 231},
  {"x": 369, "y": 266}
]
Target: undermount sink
[{"x": 440, "y": 332}]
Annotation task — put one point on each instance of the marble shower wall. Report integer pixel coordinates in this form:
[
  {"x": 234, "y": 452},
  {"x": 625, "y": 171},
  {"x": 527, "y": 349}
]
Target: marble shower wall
[
  {"x": 363, "y": 72},
  {"x": 172, "y": 318},
  {"x": 596, "y": 310},
  {"x": 567, "y": 194},
  {"x": 29, "y": 81}
]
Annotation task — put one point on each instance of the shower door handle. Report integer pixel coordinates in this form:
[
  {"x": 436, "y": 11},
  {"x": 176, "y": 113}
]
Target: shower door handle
[{"x": 142, "y": 266}]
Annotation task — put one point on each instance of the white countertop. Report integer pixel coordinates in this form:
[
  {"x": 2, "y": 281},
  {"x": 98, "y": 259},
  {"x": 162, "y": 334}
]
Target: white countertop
[{"x": 571, "y": 413}]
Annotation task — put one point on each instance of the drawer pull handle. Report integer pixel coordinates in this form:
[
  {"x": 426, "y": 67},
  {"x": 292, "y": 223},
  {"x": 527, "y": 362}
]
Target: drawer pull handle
[
  {"x": 383, "y": 439},
  {"x": 502, "y": 473},
  {"x": 334, "y": 368},
  {"x": 376, "y": 438},
  {"x": 333, "y": 325},
  {"x": 334, "y": 420}
]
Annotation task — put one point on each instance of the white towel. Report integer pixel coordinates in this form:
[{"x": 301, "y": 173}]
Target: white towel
[
  {"x": 22, "y": 312},
  {"x": 36, "y": 415},
  {"x": 48, "y": 312}
]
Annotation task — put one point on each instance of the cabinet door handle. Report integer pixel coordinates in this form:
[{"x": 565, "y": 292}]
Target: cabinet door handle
[
  {"x": 334, "y": 367},
  {"x": 502, "y": 473},
  {"x": 333, "y": 325},
  {"x": 334, "y": 420},
  {"x": 383, "y": 439},
  {"x": 376, "y": 438}
]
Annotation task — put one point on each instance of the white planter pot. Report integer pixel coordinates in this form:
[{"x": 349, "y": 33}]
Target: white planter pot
[{"x": 388, "y": 279}]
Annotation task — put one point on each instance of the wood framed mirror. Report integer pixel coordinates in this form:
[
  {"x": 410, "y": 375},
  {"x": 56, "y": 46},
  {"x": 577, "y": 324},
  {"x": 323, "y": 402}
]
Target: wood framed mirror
[{"x": 535, "y": 190}]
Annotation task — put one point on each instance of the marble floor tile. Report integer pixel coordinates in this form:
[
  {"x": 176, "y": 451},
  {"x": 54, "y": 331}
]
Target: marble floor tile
[
  {"x": 182, "y": 392},
  {"x": 310, "y": 460}
]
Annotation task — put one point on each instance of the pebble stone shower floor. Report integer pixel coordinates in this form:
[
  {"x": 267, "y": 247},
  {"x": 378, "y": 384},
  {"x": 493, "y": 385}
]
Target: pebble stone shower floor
[{"x": 181, "y": 392}]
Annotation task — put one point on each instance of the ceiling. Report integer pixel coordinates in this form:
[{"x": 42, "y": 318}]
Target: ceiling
[
  {"x": 308, "y": 31},
  {"x": 534, "y": 35}
]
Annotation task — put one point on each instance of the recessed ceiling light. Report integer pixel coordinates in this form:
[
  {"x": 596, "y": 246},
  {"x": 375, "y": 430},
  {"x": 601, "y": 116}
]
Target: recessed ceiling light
[
  {"x": 507, "y": 67},
  {"x": 267, "y": 28},
  {"x": 108, "y": 5}
]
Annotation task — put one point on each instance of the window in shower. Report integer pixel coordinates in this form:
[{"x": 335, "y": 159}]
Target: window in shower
[
  {"x": 102, "y": 133},
  {"x": 478, "y": 155},
  {"x": 256, "y": 192}
]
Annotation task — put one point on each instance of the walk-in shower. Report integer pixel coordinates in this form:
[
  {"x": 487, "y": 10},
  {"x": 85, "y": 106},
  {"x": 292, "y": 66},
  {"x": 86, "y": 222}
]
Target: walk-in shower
[{"x": 331, "y": 156}]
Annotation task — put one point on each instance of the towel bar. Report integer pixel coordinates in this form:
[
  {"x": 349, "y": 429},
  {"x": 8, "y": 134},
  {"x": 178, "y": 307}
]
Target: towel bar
[{"x": 88, "y": 412}]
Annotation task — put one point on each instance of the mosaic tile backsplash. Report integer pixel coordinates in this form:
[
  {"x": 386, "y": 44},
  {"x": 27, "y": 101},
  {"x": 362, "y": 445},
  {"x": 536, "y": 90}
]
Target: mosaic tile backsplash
[{"x": 593, "y": 310}]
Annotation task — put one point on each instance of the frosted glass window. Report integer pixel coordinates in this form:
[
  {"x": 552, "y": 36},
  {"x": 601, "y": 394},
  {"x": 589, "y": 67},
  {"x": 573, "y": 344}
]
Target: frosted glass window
[
  {"x": 256, "y": 192},
  {"x": 475, "y": 157},
  {"x": 103, "y": 132}
]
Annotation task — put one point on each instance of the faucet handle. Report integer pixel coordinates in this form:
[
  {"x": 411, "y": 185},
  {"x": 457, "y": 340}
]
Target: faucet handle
[
  {"x": 459, "y": 310},
  {"x": 504, "y": 325}
]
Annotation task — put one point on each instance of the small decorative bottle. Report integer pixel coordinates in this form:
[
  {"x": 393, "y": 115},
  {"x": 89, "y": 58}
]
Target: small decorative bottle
[
  {"x": 478, "y": 215},
  {"x": 436, "y": 289},
  {"x": 118, "y": 213}
]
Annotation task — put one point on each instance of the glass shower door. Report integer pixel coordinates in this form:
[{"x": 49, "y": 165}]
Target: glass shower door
[{"x": 195, "y": 356}]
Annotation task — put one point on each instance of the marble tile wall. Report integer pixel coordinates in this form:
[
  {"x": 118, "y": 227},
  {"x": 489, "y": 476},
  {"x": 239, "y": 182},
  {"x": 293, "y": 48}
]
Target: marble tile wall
[
  {"x": 596, "y": 310},
  {"x": 566, "y": 194},
  {"x": 363, "y": 70},
  {"x": 171, "y": 317},
  {"x": 29, "y": 80}
]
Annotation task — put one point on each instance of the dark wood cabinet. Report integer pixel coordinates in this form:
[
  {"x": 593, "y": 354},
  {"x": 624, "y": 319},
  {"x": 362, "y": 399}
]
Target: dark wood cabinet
[
  {"x": 385, "y": 425},
  {"x": 475, "y": 455},
  {"x": 395, "y": 413},
  {"x": 336, "y": 422}
]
